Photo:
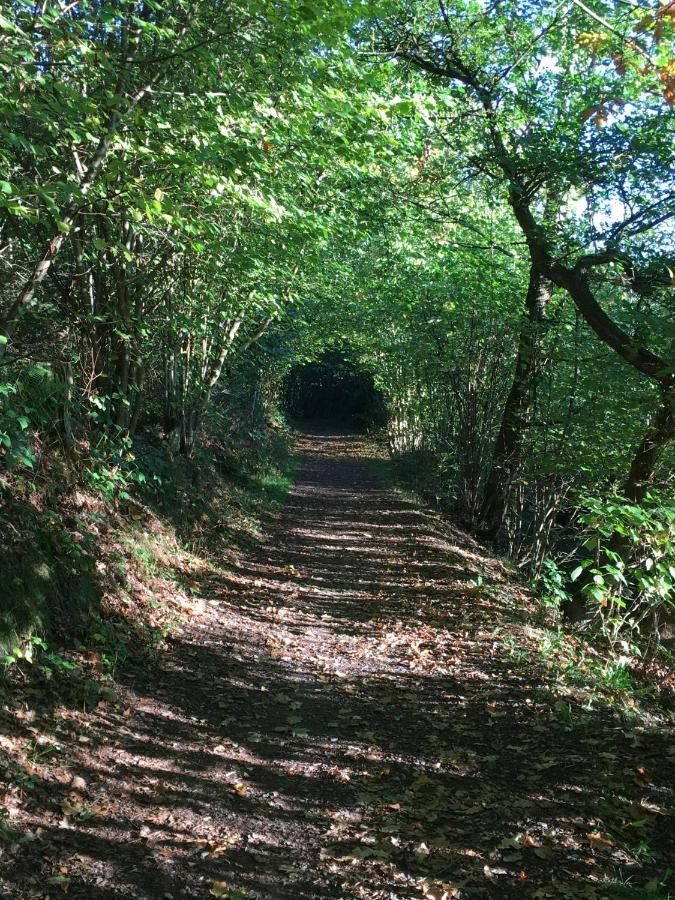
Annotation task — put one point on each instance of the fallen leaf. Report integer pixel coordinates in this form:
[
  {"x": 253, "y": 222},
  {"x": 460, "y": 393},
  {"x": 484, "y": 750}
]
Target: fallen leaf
[
  {"x": 72, "y": 805},
  {"x": 422, "y": 851},
  {"x": 597, "y": 839},
  {"x": 436, "y": 890},
  {"x": 491, "y": 872},
  {"x": 240, "y": 787}
]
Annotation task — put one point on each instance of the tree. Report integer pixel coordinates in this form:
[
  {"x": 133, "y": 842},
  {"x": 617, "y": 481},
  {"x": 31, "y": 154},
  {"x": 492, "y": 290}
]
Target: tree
[{"x": 515, "y": 104}]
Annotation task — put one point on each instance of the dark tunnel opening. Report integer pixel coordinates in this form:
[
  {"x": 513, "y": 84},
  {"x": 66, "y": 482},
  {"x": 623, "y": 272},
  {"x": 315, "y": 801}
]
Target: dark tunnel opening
[{"x": 335, "y": 390}]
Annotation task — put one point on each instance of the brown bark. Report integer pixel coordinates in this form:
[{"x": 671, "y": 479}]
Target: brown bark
[
  {"x": 574, "y": 280},
  {"x": 661, "y": 431},
  {"x": 519, "y": 406},
  {"x": 67, "y": 218},
  {"x": 658, "y": 436},
  {"x": 191, "y": 416},
  {"x": 67, "y": 374}
]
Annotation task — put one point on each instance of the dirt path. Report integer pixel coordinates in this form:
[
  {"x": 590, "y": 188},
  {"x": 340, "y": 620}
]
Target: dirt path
[{"x": 350, "y": 718}]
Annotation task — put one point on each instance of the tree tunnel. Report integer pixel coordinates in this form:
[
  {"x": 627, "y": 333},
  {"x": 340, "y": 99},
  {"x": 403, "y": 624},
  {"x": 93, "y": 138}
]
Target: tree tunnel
[{"x": 334, "y": 389}]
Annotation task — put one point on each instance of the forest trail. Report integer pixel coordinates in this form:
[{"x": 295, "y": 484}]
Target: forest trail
[{"x": 355, "y": 715}]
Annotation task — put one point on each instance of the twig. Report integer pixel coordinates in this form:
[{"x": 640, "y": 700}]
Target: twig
[{"x": 608, "y": 25}]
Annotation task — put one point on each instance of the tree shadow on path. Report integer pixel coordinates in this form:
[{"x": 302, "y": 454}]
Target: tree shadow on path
[{"x": 349, "y": 720}]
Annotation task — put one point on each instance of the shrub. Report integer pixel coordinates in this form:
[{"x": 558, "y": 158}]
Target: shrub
[{"x": 630, "y": 579}]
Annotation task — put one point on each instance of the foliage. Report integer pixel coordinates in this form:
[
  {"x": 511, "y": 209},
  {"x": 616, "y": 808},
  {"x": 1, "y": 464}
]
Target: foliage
[
  {"x": 450, "y": 218},
  {"x": 632, "y": 569},
  {"x": 476, "y": 201}
]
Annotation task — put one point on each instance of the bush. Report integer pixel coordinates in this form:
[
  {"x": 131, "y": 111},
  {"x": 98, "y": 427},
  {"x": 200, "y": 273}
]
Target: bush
[{"x": 630, "y": 579}]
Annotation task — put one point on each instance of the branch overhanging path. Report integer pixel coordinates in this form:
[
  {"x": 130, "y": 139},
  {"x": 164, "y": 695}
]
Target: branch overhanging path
[{"x": 356, "y": 714}]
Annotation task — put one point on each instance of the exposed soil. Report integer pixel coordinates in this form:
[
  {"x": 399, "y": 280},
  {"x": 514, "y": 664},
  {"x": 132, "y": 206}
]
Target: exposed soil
[{"x": 354, "y": 715}]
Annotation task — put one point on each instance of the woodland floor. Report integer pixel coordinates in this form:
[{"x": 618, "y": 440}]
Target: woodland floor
[{"x": 352, "y": 716}]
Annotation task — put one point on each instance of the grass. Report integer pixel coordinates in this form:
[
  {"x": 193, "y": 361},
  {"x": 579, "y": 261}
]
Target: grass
[{"x": 591, "y": 674}]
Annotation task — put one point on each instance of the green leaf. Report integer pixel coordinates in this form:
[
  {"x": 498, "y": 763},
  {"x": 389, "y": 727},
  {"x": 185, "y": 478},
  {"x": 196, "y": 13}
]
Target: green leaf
[{"x": 403, "y": 107}]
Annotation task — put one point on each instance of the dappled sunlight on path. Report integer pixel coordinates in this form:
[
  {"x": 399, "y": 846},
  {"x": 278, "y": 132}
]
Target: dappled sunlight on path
[{"x": 350, "y": 719}]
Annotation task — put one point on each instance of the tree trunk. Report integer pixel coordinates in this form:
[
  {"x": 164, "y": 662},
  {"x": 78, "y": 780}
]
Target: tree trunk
[
  {"x": 574, "y": 280},
  {"x": 67, "y": 218},
  {"x": 519, "y": 407},
  {"x": 658, "y": 436},
  {"x": 137, "y": 396},
  {"x": 66, "y": 421},
  {"x": 191, "y": 417}
]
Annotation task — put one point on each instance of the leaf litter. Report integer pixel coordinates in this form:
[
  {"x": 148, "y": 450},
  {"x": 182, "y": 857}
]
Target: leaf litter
[{"x": 344, "y": 718}]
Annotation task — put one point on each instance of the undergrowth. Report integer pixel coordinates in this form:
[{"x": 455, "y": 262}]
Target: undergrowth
[
  {"x": 612, "y": 661},
  {"x": 100, "y": 559}
]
